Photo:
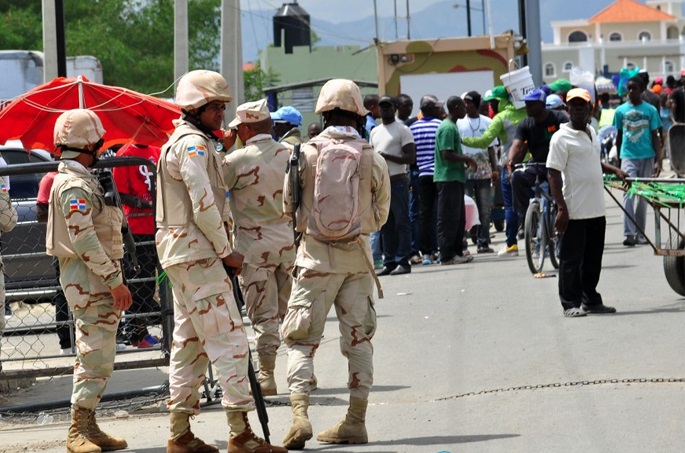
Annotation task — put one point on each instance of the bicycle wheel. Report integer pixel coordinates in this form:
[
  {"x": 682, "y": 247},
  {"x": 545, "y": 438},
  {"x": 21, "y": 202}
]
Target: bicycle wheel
[
  {"x": 553, "y": 241},
  {"x": 534, "y": 238}
]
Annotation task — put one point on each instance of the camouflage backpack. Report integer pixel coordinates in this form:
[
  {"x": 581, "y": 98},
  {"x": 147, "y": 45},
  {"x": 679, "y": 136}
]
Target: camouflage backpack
[{"x": 335, "y": 214}]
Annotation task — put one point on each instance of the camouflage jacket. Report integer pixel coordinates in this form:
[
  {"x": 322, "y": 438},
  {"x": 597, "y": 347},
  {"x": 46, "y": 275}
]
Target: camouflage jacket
[
  {"x": 81, "y": 225},
  {"x": 254, "y": 176},
  {"x": 191, "y": 195},
  {"x": 374, "y": 201}
]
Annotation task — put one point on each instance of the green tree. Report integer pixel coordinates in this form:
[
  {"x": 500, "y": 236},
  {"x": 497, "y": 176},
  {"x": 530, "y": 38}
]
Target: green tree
[
  {"x": 255, "y": 80},
  {"x": 133, "y": 39}
]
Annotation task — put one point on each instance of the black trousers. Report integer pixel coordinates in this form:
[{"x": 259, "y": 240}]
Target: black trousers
[
  {"x": 580, "y": 262},
  {"x": 451, "y": 219},
  {"x": 428, "y": 195}
]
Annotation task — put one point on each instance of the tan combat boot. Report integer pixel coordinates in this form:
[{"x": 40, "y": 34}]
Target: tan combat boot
[
  {"x": 77, "y": 437},
  {"x": 101, "y": 439},
  {"x": 243, "y": 440},
  {"x": 267, "y": 381},
  {"x": 301, "y": 430},
  {"x": 182, "y": 440},
  {"x": 351, "y": 430}
]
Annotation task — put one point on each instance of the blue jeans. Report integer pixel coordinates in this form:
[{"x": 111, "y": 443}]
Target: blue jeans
[
  {"x": 510, "y": 217},
  {"x": 396, "y": 232},
  {"x": 375, "y": 240},
  {"x": 479, "y": 190},
  {"x": 636, "y": 168}
]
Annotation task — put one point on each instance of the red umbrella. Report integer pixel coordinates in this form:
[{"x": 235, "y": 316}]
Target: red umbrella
[{"x": 127, "y": 116}]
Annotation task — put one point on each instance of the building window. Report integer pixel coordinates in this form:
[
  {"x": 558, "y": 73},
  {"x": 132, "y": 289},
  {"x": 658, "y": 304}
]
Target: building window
[
  {"x": 550, "y": 70},
  {"x": 568, "y": 65},
  {"x": 577, "y": 36},
  {"x": 615, "y": 36},
  {"x": 644, "y": 36},
  {"x": 672, "y": 32},
  {"x": 668, "y": 67}
]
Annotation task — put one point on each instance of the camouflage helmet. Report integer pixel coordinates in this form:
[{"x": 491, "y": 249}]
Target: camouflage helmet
[
  {"x": 343, "y": 94},
  {"x": 77, "y": 129},
  {"x": 201, "y": 87}
]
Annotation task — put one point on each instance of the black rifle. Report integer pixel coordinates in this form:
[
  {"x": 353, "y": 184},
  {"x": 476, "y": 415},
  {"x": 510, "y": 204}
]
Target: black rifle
[
  {"x": 112, "y": 198},
  {"x": 259, "y": 402},
  {"x": 294, "y": 181}
]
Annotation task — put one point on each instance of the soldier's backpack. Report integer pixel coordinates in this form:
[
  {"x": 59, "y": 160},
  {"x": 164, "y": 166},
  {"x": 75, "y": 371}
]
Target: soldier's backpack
[{"x": 335, "y": 214}]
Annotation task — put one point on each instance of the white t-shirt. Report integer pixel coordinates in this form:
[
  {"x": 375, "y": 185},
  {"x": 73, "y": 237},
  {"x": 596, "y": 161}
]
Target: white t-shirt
[
  {"x": 389, "y": 139},
  {"x": 577, "y": 156},
  {"x": 475, "y": 127}
]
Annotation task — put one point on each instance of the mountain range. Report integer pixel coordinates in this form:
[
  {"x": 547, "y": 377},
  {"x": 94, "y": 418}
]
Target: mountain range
[{"x": 438, "y": 20}]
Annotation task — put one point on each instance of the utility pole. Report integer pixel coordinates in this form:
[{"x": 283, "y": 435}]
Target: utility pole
[
  {"x": 408, "y": 23},
  {"x": 180, "y": 39},
  {"x": 533, "y": 39},
  {"x": 232, "y": 54},
  {"x": 54, "y": 44},
  {"x": 468, "y": 17}
]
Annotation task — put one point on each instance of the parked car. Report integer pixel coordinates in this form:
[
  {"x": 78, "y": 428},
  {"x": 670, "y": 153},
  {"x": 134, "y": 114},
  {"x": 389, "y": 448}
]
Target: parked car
[{"x": 29, "y": 275}]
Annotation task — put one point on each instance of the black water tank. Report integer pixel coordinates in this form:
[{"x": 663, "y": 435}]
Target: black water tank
[{"x": 291, "y": 24}]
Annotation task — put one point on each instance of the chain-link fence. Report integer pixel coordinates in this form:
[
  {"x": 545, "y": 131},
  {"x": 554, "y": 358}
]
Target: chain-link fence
[{"x": 38, "y": 341}]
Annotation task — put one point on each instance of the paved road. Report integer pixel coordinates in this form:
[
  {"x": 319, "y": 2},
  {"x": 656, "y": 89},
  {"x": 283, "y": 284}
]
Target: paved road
[{"x": 460, "y": 351}]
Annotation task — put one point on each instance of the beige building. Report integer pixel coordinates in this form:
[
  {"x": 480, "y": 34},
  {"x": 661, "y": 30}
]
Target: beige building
[{"x": 627, "y": 33}]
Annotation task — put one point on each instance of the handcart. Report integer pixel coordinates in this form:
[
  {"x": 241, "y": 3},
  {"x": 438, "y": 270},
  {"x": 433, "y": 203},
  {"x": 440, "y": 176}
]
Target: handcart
[{"x": 667, "y": 199}]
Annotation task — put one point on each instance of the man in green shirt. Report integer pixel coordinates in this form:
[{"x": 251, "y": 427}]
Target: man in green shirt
[{"x": 449, "y": 177}]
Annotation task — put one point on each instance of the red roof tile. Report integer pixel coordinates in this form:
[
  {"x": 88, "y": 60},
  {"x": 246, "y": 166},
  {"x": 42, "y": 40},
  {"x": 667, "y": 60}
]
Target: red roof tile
[{"x": 629, "y": 11}]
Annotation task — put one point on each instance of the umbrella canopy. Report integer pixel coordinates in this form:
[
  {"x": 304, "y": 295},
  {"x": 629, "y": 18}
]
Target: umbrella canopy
[{"x": 127, "y": 116}]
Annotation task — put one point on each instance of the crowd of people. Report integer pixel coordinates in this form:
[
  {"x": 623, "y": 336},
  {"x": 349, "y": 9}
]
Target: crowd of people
[{"x": 359, "y": 199}]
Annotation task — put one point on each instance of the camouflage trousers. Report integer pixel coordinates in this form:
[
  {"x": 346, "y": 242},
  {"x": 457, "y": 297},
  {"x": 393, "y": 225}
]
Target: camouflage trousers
[
  {"x": 266, "y": 291},
  {"x": 311, "y": 299},
  {"x": 95, "y": 324},
  {"x": 207, "y": 327}
]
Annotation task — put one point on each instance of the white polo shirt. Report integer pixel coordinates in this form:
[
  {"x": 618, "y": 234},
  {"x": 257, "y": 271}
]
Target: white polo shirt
[{"x": 577, "y": 156}]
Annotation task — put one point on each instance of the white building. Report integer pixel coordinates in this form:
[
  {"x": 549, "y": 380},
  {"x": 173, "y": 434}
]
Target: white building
[{"x": 624, "y": 34}]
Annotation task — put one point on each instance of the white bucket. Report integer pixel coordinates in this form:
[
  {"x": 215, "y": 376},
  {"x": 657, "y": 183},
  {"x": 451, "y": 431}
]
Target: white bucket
[{"x": 518, "y": 84}]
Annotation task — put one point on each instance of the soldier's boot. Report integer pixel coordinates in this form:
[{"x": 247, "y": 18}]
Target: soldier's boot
[
  {"x": 243, "y": 440},
  {"x": 301, "y": 429},
  {"x": 182, "y": 439},
  {"x": 102, "y": 439},
  {"x": 267, "y": 381},
  {"x": 350, "y": 430},
  {"x": 77, "y": 436}
]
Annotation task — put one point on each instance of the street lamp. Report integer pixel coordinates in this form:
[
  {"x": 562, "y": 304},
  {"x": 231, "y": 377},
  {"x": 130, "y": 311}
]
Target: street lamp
[{"x": 468, "y": 13}]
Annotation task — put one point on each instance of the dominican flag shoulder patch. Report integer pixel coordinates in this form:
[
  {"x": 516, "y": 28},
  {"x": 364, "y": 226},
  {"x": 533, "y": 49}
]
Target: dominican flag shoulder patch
[
  {"x": 196, "y": 150},
  {"x": 77, "y": 204},
  {"x": 3, "y": 188}
]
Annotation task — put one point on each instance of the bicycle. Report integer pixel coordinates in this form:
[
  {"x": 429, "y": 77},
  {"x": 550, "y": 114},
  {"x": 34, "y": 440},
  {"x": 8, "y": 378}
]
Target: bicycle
[{"x": 540, "y": 236}]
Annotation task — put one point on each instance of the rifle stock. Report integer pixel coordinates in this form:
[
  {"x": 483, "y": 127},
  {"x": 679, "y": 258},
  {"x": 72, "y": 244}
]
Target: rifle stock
[{"x": 294, "y": 181}]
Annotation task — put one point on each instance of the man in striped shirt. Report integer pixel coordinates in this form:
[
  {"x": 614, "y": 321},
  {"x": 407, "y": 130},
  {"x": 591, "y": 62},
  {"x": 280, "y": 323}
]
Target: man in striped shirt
[{"x": 424, "y": 131}]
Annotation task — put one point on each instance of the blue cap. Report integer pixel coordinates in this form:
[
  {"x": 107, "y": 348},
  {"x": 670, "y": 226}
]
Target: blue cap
[
  {"x": 288, "y": 114},
  {"x": 554, "y": 101},
  {"x": 535, "y": 95}
]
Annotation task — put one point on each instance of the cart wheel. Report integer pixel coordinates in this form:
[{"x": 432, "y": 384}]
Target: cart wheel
[
  {"x": 674, "y": 269},
  {"x": 499, "y": 225}
]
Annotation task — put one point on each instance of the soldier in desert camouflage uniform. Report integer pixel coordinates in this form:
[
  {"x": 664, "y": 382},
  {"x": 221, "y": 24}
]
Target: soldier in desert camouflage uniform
[
  {"x": 335, "y": 273},
  {"x": 192, "y": 245},
  {"x": 84, "y": 233},
  {"x": 8, "y": 219},
  {"x": 263, "y": 233}
]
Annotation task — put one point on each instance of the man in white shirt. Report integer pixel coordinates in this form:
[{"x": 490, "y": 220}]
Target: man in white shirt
[
  {"x": 479, "y": 182},
  {"x": 395, "y": 143},
  {"x": 574, "y": 155}
]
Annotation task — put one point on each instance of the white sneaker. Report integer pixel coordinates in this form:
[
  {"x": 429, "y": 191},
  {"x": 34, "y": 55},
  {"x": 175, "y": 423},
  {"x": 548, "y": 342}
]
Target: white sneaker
[
  {"x": 66, "y": 351},
  {"x": 121, "y": 346}
]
